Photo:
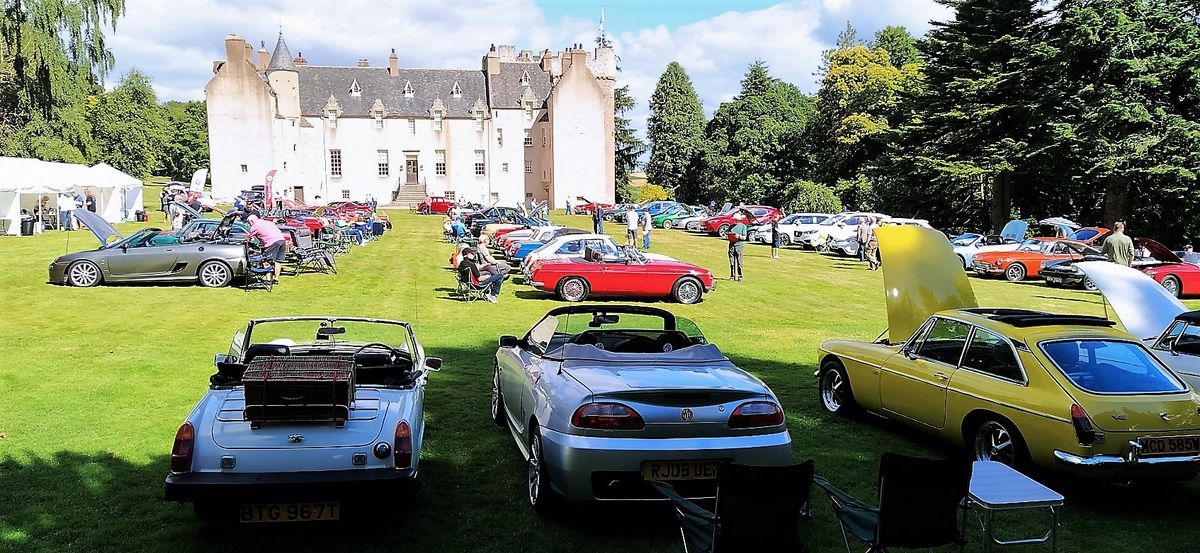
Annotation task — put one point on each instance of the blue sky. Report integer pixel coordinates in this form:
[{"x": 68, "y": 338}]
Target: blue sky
[{"x": 176, "y": 41}]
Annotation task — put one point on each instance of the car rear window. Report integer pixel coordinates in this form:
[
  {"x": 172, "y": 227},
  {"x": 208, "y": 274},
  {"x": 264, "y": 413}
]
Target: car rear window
[{"x": 1111, "y": 367}]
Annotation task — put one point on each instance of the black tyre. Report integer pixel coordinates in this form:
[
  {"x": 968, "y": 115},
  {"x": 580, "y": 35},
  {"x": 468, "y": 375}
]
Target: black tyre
[
  {"x": 785, "y": 240},
  {"x": 84, "y": 274},
  {"x": 833, "y": 389},
  {"x": 573, "y": 289},
  {"x": 498, "y": 415},
  {"x": 1088, "y": 285},
  {"x": 1171, "y": 283},
  {"x": 995, "y": 439},
  {"x": 666, "y": 224},
  {"x": 722, "y": 230},
  {"x": 1015, "y": 272},
  {"x": 541, "y": 497},
  {"x": 424, "y": 210},
  {"x": 214, "y": 274},
  {"x": 963, "y": 261},
  {"x": 688, "y": 291}
]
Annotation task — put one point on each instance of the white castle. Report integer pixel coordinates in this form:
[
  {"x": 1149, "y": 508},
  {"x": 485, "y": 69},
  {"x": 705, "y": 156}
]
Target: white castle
[{"x": 522, "y": 127}]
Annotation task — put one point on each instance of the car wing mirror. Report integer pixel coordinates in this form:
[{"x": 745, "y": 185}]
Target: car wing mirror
[
  {"x": 125, "y": 247},
  {"x": 223, "y": 359},
  {"x": 508, "y": 341},
  {"x": 433, "y": 363}
]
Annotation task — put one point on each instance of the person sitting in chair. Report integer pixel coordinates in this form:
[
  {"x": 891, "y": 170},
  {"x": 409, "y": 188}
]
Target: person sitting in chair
[
  {"x": 488, "y": 263},
  {"x": 469, "y": 271}
]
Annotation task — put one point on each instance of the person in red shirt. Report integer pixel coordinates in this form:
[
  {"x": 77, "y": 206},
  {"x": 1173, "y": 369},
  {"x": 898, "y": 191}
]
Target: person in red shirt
[{"x": 270, "y": 237}]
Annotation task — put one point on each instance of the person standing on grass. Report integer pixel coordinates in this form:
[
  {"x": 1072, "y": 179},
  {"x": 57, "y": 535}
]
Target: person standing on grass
[
  {"x": 567, "y": 211},
  {"x": 776, "y": 240},
  {"x": 271, "y": 238},
  {"x": 736, "y": 237},
  {"x": 66, "y": 204},
  {"x": 631, "y": 227},
  {"x": 863, "y": 233},
  {"x": 646, "y": 225},
  {"x": 872, "y": 244},
  {"x": 1118, "y": 248},
  {"x": 597, "y": 219}
]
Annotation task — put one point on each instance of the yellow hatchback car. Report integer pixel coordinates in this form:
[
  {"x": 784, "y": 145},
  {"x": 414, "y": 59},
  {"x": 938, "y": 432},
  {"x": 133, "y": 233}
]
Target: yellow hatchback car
[{"x": 1011, "y": 385}]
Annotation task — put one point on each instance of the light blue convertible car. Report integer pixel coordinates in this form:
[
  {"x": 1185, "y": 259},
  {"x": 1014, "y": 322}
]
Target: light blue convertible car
[{"x": 604, "y": 400}]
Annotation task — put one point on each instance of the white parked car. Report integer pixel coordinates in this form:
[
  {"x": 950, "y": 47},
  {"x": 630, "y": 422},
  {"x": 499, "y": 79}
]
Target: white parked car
[
  {"x": 967, "y": 245},
  {"x": 573, "y": 245},
  {"x": 837, "y": 229},
  {"x": 791, "y": 228},
  {"x": 304, "y": 415}
]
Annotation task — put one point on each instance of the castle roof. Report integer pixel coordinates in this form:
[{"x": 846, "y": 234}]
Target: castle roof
[
  {"x": 281, "y": 60},
  {"x": 505, "y": 88}
]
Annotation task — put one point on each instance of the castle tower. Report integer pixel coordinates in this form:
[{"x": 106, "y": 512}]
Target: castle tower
[{"x": 284, "y": 79}]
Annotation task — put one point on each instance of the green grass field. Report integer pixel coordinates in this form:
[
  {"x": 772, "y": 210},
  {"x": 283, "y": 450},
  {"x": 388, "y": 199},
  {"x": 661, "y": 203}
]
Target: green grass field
[{"x": 94, "y": 383}]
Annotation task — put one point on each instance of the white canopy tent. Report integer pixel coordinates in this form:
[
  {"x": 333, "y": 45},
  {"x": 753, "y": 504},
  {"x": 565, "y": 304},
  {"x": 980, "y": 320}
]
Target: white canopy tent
[{"x": 24, "y": 182}]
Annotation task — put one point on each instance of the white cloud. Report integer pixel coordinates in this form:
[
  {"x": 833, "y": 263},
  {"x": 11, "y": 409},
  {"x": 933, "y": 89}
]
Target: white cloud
[{"x": 176, "y": 41}]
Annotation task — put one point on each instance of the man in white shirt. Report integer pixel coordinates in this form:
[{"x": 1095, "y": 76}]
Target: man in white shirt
[
  {"x": 631, "y": 226},
  {"x": 66, "y": 204}
]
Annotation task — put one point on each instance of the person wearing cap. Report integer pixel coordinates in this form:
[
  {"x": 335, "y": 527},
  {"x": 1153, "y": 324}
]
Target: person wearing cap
[
  {"x": 736, "y": 237},
  {"x": 271, "y": 238}
]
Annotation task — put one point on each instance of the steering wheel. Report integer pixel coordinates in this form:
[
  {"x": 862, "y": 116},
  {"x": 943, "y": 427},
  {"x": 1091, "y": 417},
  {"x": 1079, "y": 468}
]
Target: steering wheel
[{"x": 395, "y": 352}]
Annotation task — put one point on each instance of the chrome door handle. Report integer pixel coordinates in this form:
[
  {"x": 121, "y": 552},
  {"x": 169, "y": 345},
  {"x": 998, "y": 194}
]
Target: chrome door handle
[{"x": 941, "y": 376}]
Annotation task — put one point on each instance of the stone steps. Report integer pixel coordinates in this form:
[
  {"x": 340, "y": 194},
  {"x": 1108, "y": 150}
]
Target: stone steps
[{"x": 408, "y": 197}]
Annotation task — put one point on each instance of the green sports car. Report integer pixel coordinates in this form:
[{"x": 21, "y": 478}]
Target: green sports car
[{"x": 670, "y": 217}]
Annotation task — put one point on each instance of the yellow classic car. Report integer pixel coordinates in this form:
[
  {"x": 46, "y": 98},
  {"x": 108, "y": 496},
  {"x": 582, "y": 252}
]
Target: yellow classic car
[{"x": 1011, "y": 385}]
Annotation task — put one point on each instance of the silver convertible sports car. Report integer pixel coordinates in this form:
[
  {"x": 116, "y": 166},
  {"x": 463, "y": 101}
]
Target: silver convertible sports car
[
  {"x": 603, "y": 400},
  {"x": 303, "y": 414},
  {"x": 143, "y": 256}
]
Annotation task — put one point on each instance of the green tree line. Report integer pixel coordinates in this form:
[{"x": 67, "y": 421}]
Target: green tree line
[
  {"x": 1088, "y": 109},
  {"x": 53, "y": 105}
]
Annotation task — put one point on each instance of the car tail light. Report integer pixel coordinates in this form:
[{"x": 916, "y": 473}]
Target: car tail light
[
  {"x": 756, "y": 414},
  {"x": 607, "y": 416},
  {"x": 403, "y": 446},
  {"x": 1084, "y": 431},
  {"x": 181, "y": 451}
]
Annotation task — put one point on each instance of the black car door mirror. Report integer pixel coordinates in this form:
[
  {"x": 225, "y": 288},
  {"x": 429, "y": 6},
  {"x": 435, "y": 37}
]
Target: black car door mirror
[
  {"x": 433, "y": 363},
  {"x": 125, "y": 247},
  {"x": 508, "y": 341},
  {"x": 223, "y": 359}
]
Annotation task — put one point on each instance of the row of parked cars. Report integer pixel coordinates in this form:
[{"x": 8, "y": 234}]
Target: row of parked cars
[{"x": 603, "y": 401}]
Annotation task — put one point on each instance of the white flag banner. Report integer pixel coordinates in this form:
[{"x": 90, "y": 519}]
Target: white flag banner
[{"x": 198, "y": 180}]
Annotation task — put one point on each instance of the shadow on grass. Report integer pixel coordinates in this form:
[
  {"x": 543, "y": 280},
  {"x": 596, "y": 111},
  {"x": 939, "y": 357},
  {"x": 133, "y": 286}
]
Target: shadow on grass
[{"x": 1064, "y": 298}]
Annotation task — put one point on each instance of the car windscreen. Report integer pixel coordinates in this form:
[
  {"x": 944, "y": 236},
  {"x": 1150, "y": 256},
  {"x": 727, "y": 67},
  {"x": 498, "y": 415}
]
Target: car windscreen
[
  {"x": 1033, "y": 246},
  {"x": 964, "y": 239},
  {"x": 1084, "y": 235},
  {"x": 1111, "y": 367},
  {"x": 332, "y": 333},
  {"x": 570, "y": 326}
]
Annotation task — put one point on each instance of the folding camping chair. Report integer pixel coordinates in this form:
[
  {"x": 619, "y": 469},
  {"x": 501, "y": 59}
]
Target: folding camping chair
[
  {"x": 757, "y": 507},
  {"x": 260, "y": 270},
  {"x": 469, "y": 289},
  {"x": 310, "y": 257},
  {"x": 920, "y": 505}
]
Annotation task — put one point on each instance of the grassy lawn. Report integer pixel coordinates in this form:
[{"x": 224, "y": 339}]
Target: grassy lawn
[{"x": 95, "y": 382}]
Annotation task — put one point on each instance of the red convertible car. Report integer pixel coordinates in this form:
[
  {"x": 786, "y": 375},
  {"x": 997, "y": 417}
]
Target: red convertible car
[
  {"x": 718, "y": 225},
  {"x": 589, "y": 206},
  {"x": 315, "y": 224},
  {"x": 438, "y": 205},
  {"x": 630, "y": 274}
]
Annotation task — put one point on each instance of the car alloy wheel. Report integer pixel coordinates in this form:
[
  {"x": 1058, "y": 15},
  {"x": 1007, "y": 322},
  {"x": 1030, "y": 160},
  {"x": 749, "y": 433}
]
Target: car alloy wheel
[
  {"x": 666, "y": 224},
  {"x": 573, "y": 289},
  {"x": 1015, "y": 272},
  {"x": 497, "y": 399},
  {"x": 83, "y": 274},
  {"x": 214, "y": 274},
  {"x": 687, "y": 291},
  {"x": 1091, "y": 286},
  {"x": 785, "y": 240},
  {"x": 538, "y": 493},
  {"x": 994, "y": 442},
  {"x": 722, "y": 230},
  {"x": 1172, "y": 285},
  {"x": 833, "y": 390}
]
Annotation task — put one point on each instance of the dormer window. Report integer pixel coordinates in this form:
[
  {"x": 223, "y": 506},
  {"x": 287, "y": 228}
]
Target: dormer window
[
  {"x": 529, "y": 111},
  {"x": 455, "y": 91},
  {"x": 524, "y": 80},
  {"x": 332, "y": 115},
  {"x": 355, "y": 90},
  {"x": 478, "y": 110},
  {"x": 437, "y": 120},
  {"x": 378, "y": 119},
  {"x": 378, "y": 112},
  {"x": 408, "y": 90}
]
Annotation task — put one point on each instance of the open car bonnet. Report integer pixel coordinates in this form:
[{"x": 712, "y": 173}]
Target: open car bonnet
[
  {"x": 1015, "y": 229},
  {"x": 99, "y": 227},
  {"x": 921, "y": 276},
  {"x": 1157, "y": 250},
  {"x": 1060, "y": 222},
  {"x": 1142, "y": 305}
]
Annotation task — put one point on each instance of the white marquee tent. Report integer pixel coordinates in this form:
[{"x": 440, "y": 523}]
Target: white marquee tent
[{"x": 24, "y": 181}]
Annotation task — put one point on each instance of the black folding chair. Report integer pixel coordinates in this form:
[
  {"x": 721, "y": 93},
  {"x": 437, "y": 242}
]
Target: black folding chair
[
  {"x": 260, "y": 269},
  {"x": 920, "y": 505},
  {"x": 756, "y": 507}
]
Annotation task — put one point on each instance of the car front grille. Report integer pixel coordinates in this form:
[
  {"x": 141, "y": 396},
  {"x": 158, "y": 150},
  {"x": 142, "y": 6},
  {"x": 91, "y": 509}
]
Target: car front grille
[{"x": 982, "y": 266}]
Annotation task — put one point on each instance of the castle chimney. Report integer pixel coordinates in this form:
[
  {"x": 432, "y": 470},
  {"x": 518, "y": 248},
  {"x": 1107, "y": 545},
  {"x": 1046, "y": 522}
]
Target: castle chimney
[
  {"x": 393, "y": 64},
  {"x": 299, "y": 59},
  {"x": 264, "y": 57},
  {"x": 491, "y": 62},
  {"x": 233, "y": 49},
  {"x": 248, "y": 52},
  {"x": 362, "y": 62}
]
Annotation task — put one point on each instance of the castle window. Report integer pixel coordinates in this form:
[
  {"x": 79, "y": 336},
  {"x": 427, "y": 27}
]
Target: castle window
[
  {"x": 499, "y": 138},
  {"x": 412, "y": 126},
  {"x": 332, "y": 115},
  {"x": 528, "y": 167},
  {"x": 245, "y": 169},
  {"x": 529, "y": 111},
  {"x": 345, "y": 194},
  {"x": 480, "y": 163},
  {"x": 355, "y": 90},
  {"x": 382, "y": 162},
  {"x": 449, "y": 194},
  {"x": 437, "y": 120},
  {"x": 379, "y": 120},
  {"x": 504, "y": 167},
  {"x": 543, "y": 137},
  {"x": 285, "y": 166},
  {"x": 524, "y": 80},
  {"x": 528, "y": 138},
  {"x": 455, "y": 91},
  {"x": 479, "y": 121},
  {"x": 439, "y": 163},
  {"x": 408, "y": 90},
  {"x": 335, "y": 163}
]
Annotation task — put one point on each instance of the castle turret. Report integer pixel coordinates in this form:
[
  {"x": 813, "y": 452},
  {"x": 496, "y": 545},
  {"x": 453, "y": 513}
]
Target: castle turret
[{"x": 284, "y": 79}]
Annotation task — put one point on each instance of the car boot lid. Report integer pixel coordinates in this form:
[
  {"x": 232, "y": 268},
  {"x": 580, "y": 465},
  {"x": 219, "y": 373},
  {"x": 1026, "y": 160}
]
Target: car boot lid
[
  {"x": 922, "y": 276},
  {"x": 1142, "y": 305},
  {"x": 1015, "y": 229},
  {"x": 99, "y": 227}
]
